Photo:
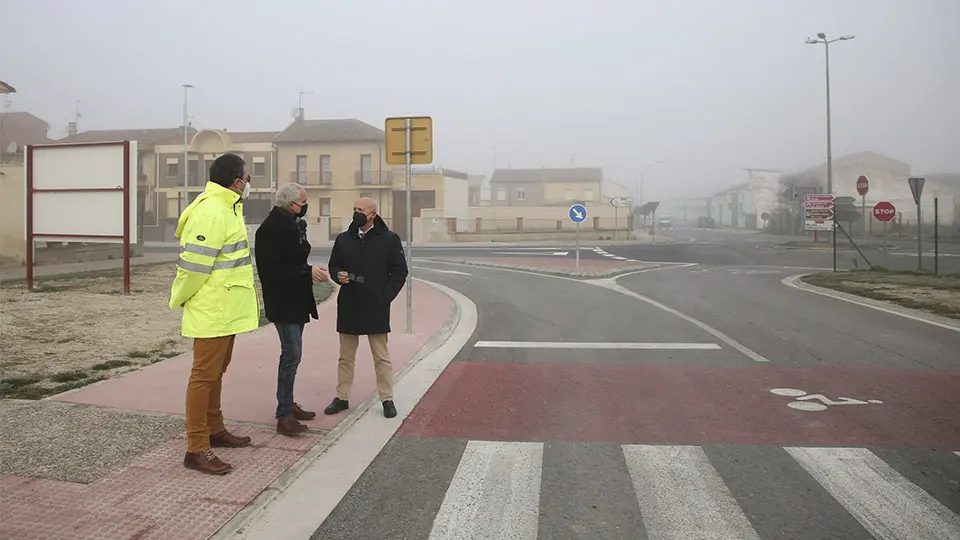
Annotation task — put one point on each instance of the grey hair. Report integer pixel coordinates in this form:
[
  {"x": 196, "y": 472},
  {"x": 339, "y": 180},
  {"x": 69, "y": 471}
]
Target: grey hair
[{"x": 287, "y": 194}]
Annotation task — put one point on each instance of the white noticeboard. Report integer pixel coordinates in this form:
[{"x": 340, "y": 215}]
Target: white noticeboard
[{"x": 78, "y": 192}]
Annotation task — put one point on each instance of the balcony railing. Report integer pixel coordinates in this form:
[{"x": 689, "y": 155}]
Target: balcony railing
[
  {"x": 373, "y": 178},
  {"x": 312, "y": 178}
]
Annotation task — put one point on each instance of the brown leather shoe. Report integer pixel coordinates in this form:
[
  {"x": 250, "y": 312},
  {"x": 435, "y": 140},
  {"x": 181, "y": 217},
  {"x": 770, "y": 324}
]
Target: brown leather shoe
[
  {"x": 225, "y": 439},
  {"x": 301, "y": 414},
  {"x": 206, "y": 462},
  {"x": 290, "y": 426}
]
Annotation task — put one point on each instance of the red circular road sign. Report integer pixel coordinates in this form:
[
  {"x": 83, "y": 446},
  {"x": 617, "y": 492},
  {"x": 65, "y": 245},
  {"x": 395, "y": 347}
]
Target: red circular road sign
[
  {"x": 884, "y": 211},
  {"x": 863, "y": 185}
]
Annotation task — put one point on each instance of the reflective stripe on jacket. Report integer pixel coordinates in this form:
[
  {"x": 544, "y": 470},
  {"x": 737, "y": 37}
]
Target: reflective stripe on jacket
[{"x": 214, "y": 282}]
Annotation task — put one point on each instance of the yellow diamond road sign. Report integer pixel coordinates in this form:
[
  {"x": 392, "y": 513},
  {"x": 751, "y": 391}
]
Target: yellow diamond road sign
[{"x": 421, "y": 140}]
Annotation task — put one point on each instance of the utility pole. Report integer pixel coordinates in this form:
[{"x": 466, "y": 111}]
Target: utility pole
[{"x": 186, "y": 157}]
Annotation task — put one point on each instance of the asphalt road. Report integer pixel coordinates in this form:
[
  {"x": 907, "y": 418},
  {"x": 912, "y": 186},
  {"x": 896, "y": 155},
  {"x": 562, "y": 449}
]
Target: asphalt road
[{"x": 707, "y": 401}]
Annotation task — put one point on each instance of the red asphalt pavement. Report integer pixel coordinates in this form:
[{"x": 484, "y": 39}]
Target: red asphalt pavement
[
  {"x": 695, "y": 405},
  {"x": 155, "y": 497}
]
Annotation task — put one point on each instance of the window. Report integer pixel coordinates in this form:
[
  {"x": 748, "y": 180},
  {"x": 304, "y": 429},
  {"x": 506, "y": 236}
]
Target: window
[
  {"x": 588, "y": 194},
  {"x": 173, "y": 167},
  {"x": 366, "y": 195},
  {"x": 501, "y": 194},
  {"x": 259, "y": 166},
  {"x": 521, "y": 194},
  {"x": 365, "y": 173},
  {"x": 324, "y": 206},
  {"x": 325, "y": 176},
  {"x": 568, "y": 194},
  {"x": 192, "y": 168},
  {"x": 302, "y": 170}
]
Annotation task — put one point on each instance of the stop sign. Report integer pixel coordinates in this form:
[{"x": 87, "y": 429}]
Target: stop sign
[
  {"x": 863, "y": 185},
  {"x": 884, "y": 211}
]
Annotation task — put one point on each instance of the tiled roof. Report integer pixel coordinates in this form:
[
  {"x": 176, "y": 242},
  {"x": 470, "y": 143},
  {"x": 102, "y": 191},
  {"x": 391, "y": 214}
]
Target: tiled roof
[
  {"x": 533, "y": 176},
  {"x": 6, "y": 88},
  {"x": 23, "y": 128},
  {"x": 144, "y": 137},
  {"x": 241, "y": 137},
  {"x": 329, "y": 131}
]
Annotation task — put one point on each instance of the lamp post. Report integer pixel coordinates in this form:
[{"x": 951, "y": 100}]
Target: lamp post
[
  {"x": 186, "y": 159},
  {"x": 822, "y": 38}
]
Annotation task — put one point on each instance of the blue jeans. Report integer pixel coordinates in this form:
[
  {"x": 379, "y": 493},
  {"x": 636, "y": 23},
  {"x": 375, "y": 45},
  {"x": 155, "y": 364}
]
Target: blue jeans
[{"x": 291, "y": 347}]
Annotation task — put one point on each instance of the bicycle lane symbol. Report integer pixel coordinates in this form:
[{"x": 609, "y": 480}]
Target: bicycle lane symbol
[{"x": 806, "y": 402}]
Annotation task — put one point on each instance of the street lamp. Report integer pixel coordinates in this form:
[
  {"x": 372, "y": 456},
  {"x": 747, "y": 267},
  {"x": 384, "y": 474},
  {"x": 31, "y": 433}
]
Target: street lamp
[
  {"x": 186, "y": 161},
  {"x": 826, "y": 47}
]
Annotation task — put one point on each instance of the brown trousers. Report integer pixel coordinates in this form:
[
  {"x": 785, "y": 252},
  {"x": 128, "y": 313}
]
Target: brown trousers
[
  {"x": 381, "y": 365},
  {"x": 211, "y": 356}
]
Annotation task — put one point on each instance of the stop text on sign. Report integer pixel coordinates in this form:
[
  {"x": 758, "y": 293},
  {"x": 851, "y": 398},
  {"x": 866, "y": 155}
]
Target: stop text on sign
[{"x": 884, "y": 211}]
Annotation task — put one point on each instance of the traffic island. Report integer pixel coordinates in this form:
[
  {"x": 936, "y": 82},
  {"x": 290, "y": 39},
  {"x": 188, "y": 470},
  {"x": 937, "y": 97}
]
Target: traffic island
[
  {"x": 939, "y": 295},
  {"x": 565, "y": 267}
]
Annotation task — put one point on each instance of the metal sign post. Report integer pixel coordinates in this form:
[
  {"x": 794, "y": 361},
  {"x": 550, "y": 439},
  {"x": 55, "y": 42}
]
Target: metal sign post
[
  {"x": 916, "y": 187},
  {"x": 409, "y": 141},
  {"x": 409, "y": 222},
  {"x": 884, "y": 211},
  {"x": 578, "y": 214}
]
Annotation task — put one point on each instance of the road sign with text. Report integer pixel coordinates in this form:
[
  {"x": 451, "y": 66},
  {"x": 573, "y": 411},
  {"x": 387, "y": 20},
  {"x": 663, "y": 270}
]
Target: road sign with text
[
  {"x": 818, "y": 212},
  {"x": 863, "y": 185},
  {"x": 421, "y": 140},
  {"x": 884, "y": 211}
]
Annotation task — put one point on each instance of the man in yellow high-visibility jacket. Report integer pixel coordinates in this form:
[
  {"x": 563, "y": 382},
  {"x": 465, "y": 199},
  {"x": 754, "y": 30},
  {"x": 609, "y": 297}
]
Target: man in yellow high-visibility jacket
[{"x": 214, "y": 284}]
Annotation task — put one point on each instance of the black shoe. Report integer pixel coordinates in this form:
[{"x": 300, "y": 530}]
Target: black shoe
[
  {"x": 389, "y": 409},
  {"x": 336, "y": 406}
]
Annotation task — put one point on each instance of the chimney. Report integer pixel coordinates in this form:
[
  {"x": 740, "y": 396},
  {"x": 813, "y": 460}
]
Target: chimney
[{"x": 71, "y": 129}]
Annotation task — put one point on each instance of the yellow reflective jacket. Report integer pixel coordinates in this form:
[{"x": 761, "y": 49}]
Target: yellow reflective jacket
[{"x": 214, "y": 282}]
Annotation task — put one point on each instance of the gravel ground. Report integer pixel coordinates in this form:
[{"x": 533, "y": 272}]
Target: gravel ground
[
  {"x": 77, "y": 329},
  {"x": 75, "y": 443}
]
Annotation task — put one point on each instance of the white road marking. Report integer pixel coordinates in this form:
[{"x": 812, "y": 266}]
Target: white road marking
[
  {"x": 593, "y": 345},
  {"x": 888, "y": 505},
  {"x": 957, "y": 453},
  {"x": 619, "y": 258},
  {"x": 457, "y": 272},
  {"x": 292, "y": 506},
  {"x": 525, "y": 253},
  {"x": 561, "y": 252},
  {"x": 614, "y": 286},
  {"x": 795, "y": 282},
  {"x": 682, "y": 497},
  {"x": 495, "y": 493}
]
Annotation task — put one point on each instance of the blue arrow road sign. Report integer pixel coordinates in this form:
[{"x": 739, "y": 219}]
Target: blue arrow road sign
[{"x": 578, "y": 213}]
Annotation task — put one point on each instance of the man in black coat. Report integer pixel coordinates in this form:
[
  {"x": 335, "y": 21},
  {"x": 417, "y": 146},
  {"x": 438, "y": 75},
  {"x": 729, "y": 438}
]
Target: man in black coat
[
  {"x": 369, "y": 263},
  {"x": 281, "y": 250}
]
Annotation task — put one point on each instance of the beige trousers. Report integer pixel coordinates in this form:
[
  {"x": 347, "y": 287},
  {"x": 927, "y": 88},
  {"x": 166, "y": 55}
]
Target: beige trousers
[{"x": 381, "y": 365}]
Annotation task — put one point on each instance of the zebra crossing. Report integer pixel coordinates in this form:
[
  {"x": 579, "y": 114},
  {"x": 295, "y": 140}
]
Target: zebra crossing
[
  {"x": 521, "y": 491},
  {"x": 602, "y": 252}
]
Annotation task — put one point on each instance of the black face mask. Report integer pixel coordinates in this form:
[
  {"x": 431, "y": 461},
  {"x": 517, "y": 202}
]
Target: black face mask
[
  {"x": 302, "y": 212},
  {"x": 359, "y": 219}
]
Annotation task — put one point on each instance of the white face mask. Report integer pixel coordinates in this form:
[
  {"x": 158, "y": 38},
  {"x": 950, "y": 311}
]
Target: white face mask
[{"x": 246, "y": 190}]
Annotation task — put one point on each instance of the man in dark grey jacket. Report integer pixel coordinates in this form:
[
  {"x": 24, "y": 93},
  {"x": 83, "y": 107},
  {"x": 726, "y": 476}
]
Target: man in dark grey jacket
[{"x": 369, "y": 263}]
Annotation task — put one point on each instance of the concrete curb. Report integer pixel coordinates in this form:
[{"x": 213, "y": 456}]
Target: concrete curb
[
  {"x": 236, "y": 525},
  {"x": 796, "y": 281},
  {"x": 549, "y": 271}
]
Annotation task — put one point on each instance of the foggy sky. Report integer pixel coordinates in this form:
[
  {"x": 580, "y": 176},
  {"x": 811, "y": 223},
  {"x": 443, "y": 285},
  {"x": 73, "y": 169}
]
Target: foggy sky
[{"x": 710, "y": 87}]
